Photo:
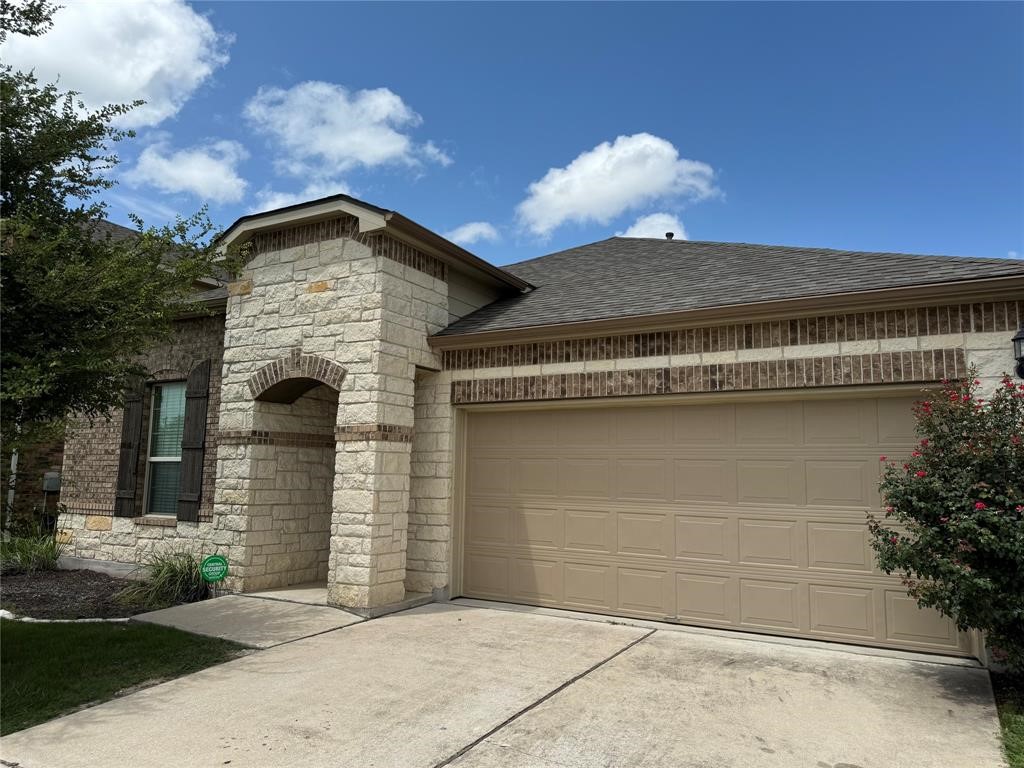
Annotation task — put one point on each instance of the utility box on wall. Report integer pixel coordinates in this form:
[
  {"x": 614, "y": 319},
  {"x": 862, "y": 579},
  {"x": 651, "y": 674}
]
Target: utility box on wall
[{"x": 51, "y": 482}]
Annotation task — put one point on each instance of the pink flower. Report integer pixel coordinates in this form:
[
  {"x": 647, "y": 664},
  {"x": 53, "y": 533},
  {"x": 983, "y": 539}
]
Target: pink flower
[
  {"x": 1020, "y": 508},
  {"x": 882, "y": 458},
  {"x": 920, "y": 473},
  {"x": 889, "y": 509},
  {"x": 943, "y": 519},
  {"x": 924, "y": 443},
  {"x": 915, "y": 454},
  {"x": 980, "y": 505},
  {"x": 894, "y": 539}
]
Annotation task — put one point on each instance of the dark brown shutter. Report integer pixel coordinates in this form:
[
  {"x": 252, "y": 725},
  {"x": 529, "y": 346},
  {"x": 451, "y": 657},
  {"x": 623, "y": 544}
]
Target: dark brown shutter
[
  {"x": 128, "y": 460},
  {"x": 193, "y": 441}
]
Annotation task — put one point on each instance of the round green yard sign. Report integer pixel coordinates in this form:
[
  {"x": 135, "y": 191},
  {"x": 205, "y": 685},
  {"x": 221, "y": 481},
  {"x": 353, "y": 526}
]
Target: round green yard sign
[{"x": 214, "y": 568}]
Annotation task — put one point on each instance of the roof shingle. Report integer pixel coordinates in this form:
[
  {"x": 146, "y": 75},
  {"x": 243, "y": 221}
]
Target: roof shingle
[{"x": 624, "y": 277}]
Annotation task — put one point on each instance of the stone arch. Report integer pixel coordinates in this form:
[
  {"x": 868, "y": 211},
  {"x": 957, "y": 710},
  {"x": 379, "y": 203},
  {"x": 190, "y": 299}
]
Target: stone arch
[{"x": 290, "y": 377}]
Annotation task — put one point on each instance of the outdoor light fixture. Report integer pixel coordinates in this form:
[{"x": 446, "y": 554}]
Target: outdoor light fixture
[{"x": 1018, "y": 351}]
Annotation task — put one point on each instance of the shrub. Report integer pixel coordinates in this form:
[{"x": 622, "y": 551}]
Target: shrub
[
  {"x": 28, "y": 554},
  {"x": 171, "y": 578},
  {"x": 954, "y": 516}
]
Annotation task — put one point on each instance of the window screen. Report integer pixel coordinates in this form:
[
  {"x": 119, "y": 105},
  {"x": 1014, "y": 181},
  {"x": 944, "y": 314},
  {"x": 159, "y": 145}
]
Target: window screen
[{"x": 167, "y": 422}]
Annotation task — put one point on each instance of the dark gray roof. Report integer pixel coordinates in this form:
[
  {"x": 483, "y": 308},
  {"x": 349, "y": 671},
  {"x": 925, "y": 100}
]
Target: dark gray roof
[
  {"x": 626, "y": 276},
  {"x": 105, "y": 228}
]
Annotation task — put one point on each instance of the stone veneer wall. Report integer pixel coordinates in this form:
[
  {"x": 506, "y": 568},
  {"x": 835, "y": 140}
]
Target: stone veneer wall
[
  {"x": 289, "y": 531},
  {"x": 91, "y": 459},
  {"x": 364, "y": 304},
  {"x": 430, "y": 520}
]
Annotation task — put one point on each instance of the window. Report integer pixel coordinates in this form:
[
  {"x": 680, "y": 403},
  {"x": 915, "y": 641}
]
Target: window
[{"x": 163, "y": 463}]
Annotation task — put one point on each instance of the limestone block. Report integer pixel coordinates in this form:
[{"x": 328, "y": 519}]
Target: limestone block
[{"x": 98, "y": 523}]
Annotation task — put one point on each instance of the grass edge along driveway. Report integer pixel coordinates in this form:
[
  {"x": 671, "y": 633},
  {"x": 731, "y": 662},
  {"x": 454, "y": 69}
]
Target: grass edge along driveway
[{"x": 49, "y": 670}]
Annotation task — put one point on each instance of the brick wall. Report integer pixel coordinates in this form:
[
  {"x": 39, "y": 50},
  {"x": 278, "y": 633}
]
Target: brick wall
[
  {"x": 907, "y": 345},
  {"x": 91, "y": 460}
]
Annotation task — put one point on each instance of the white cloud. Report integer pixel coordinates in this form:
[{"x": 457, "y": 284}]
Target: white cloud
[
  {"x": 324, "y": 130},
  {"x": 656, "y": 225},
  {"x": 269, "y": 199},
  {"x": 434, "y": 153},
  {"x": 473, "y": 232},
  {"x": 612, "y": 178},
  {"x": 207, "y": 171},
  {"x": 119, "y": 51},
  {"x": 1012, "y": 254}
]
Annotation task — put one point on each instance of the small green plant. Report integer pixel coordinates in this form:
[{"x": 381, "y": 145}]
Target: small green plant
[
  {"x": 954, "y": 515},
  {"x": 28, "y": 554},
  {"x": 171, "y": 578}
]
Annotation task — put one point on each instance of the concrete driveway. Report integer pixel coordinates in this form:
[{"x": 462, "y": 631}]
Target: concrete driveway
[{"x": 474, "y": 687}]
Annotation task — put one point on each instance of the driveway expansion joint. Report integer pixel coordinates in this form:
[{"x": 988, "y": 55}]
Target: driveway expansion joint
[{"x": 533, "y": 705}]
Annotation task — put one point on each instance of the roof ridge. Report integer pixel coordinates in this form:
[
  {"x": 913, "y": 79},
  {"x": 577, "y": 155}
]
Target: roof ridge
[{"x": 777, "y": 246}]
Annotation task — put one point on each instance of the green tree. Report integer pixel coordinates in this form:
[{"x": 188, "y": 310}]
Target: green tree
[
  {"x": 78, "y": 306},
  {"x": 954, "y": 517}
]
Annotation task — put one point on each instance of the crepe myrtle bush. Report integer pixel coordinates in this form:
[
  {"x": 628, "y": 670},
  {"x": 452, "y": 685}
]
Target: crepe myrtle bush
[{"x": 954, "y": 517}]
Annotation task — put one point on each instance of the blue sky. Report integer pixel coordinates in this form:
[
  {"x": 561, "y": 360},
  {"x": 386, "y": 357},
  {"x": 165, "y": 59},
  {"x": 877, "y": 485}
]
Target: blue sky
[{"x": 895, "y": 127}]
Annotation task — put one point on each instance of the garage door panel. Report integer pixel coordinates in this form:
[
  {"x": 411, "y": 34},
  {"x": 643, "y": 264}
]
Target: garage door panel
[
  {"x": 839, "y": 547},
  {"x": 842, "y": 611},
  {"x": 583, "y": 478},
  {"x": 489, "y": 429},
  {"x": 644, "y": 591},
  {"x": 539, "y": 580},
  {"x": 770, "y": 481},
  {"x": 642, "y": 427},
  {"x": 537, "y": 476},
  {"x": 840, "y": 483},
  {"x": 768, "y": 424},
  {"x": 707, "y": 598},
  {"x": 590, "y": 530},
  {"x": 487, "y": 575},
  {"x": 750, "y": 516},
  {"x": 642, "y": 479},
  {"x": 896, "y": 422},
  {"x": 704, "y": 480},
  {"x": 770, "y": 542},
  {"x": 488, "y": 524},
  {"x": 531, "y": 429},
  {"x": 706, "y": 538},
  {"x": 539, "y": 527},
  {"x": 704, "y": 427},
  {"x": 848, "y": 423},
  {"x": 583, "y": 427},
  {"x": 769, "y": 604},
  {"x": 650, "y": 535},
  {"x": 590, "y": 586},
  {"x": 907, "y": 622},
  {"x": 490, "y": 476}
]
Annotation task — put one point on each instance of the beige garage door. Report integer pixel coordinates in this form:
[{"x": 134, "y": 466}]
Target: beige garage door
[{"x": 746, "y": 514}]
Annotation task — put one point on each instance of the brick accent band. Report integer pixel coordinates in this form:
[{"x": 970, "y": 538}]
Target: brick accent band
[
  {"x": 269, "y": 437},
  {"x": 296, "y": 366},
  {"x": 860, "y": 326},
  {"x": 837, "y": 370},
  {"x": 388, "y": 433},
  {"x": 348, "y": 227}
]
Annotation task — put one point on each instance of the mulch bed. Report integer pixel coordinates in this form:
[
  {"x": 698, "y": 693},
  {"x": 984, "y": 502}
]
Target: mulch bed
[{"x": 64, "y": 595}]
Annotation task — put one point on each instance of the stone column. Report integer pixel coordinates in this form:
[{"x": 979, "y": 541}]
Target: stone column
[{"x": 371, "y": 501}]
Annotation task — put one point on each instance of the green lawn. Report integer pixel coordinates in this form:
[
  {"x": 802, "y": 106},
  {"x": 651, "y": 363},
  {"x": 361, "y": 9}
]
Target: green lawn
[
  {"x": 47, "y": 670},
  {"x": 1010, "y": 699}
]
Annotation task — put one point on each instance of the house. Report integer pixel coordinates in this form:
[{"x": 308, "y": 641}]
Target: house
[{"x": 661, "y": 429}]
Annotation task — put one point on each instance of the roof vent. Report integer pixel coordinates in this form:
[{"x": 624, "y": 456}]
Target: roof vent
[{"x": 669, "y": 235}]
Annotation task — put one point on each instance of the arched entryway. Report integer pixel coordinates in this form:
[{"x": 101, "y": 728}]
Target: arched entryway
[{"x": 295, "y": 406}]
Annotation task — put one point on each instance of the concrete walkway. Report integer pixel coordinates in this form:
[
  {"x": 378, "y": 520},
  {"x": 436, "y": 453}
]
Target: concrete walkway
[
  {"x": 480, "y": 688},
  {"x": 252, "y": 621}
]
